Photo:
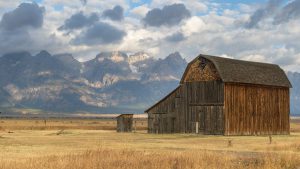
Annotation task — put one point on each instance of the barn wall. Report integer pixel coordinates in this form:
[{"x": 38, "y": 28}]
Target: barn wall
[
  {"x": 164, "y": 117},
  {"x": 256, "y": 110},
  {"x": 180, "y": 111},
  {"x": 201, "y": 90}
]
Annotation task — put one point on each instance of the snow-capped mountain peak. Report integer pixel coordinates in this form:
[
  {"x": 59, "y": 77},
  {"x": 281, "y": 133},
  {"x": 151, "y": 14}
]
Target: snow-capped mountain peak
[
  {"x": 115, "y": 56},
  {"x": 138, "y": 57}
]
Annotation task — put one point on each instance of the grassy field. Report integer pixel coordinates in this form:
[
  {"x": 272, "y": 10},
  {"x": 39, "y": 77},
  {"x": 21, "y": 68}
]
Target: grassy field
[
  {"x": 93, "y": 143},
  {"x": 64, "y": 124}
]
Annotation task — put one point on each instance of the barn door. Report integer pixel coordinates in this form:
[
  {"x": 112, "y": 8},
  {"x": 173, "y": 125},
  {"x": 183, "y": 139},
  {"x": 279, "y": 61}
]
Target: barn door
[
  {"x": 162, "y": 123},
  {"x": 213, "y": 120},
  {"x": 172, "y": 125},
  {"x": 201, "y": 121},
  {"x": 208, "y": 120}
]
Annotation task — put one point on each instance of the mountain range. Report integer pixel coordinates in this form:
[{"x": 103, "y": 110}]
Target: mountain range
[{"x": 112, "y": 82}]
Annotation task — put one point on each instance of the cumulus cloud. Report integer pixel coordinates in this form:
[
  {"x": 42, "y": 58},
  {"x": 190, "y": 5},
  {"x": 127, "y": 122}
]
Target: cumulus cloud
[
  {"x": 21, "y": 29},
  {"x": 169, "y": 15},
  {"x": 277, "y": 11},
  {"x": 25, "y": 15},
  {"x": 193, "y": 25},
  {"x": 84, "y": 2},
  {"x": 100, "y": 33},
  {"x": 290, "y": 11},
  {"x": 79, "y": 20},
  {"x": 115, "y": 14},
  {"x": 14, "y": 40},
  {"x": 271, "y": 7},
  {"x": 140, "y": 10},
  {"x": 176, "y": 37},
  {"x": 255, "y": 58}
]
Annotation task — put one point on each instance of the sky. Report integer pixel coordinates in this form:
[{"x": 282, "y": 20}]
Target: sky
[{"x": 257, "y": 30}]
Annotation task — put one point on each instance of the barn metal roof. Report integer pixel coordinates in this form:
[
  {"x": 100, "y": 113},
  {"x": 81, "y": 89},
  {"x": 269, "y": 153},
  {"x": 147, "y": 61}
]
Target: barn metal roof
[{"x": 239, "y": 71}]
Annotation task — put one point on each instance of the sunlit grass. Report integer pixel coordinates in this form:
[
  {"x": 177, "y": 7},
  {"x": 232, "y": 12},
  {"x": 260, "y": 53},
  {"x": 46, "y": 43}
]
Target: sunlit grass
[{"x": 75, "y": 147}]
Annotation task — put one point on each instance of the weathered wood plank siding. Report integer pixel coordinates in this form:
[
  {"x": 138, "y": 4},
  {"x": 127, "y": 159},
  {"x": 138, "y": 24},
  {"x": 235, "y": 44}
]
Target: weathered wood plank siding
[
  {"x": 165, "y": 116},
  {"x": 177, "y": 112},
  {"x": 124, "y": 123},
  {"x": 256, "y": 110},
  {"x": 205, "y": 99},
  {"x": 201, "y": 70},
  {"x": 209, "y": 118}
]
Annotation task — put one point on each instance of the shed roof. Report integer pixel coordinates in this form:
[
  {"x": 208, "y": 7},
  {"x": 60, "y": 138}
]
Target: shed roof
[
  {"x": 239, "y": 71},
  {"x": 124, "y": 115}
]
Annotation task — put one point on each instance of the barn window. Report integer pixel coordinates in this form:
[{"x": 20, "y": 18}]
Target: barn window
[{"x": 203, "y": 63}]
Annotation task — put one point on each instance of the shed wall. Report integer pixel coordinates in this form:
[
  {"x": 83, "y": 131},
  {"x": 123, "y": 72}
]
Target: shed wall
[{"x": 124, "y": 123}]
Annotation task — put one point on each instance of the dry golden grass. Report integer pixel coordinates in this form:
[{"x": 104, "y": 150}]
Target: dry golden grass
[
  {"x": 295, "y": 125},
  {"x": 67, "y": 145},
  {"x": 129, "y": 159},
  {"x": 60, "y": 124}
]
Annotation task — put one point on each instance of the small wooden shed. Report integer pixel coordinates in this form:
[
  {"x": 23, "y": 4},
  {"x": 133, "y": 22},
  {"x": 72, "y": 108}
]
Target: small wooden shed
[
  {"x": 227, "y": 97},
  {"x": 124, "y": 123}
]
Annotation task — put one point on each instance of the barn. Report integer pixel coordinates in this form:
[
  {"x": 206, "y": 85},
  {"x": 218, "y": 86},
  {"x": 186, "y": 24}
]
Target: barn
[
  {"x": 221, "y": 96},
  {"x": 124, "y": 123}
]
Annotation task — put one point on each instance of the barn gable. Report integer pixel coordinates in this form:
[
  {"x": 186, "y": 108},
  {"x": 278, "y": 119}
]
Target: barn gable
[{"x": 201, "y": 70}]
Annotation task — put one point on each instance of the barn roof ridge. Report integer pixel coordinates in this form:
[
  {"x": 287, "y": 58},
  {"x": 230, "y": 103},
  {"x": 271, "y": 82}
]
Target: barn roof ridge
[{"x": 239, "y": 60}]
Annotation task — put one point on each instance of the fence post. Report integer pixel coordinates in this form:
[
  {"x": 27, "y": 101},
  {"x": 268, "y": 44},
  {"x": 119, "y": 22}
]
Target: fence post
[
  {"x": 197, "y": 127},
  {"x": 229, "y": 143},
  {"x": 135, "y": 126}
]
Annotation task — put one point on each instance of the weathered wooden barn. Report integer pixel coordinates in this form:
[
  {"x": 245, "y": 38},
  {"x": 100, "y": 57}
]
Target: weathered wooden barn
[
  {"x": 124, "y": 123},
  {"x": 221, "y": 96}
]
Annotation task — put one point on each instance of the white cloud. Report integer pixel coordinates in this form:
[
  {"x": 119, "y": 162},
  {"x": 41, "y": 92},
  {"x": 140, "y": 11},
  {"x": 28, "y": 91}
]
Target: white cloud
[
  {"x": 226, "y": 56},
  {"x": 196, "y": 6},
  {"x": 140, "y": 10},
  {"x": 6, "y": 6},
  {"x": 193, "y": 25},
  {"x": 255, "y": 58},
  {"x": 298, "y": 58}
]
